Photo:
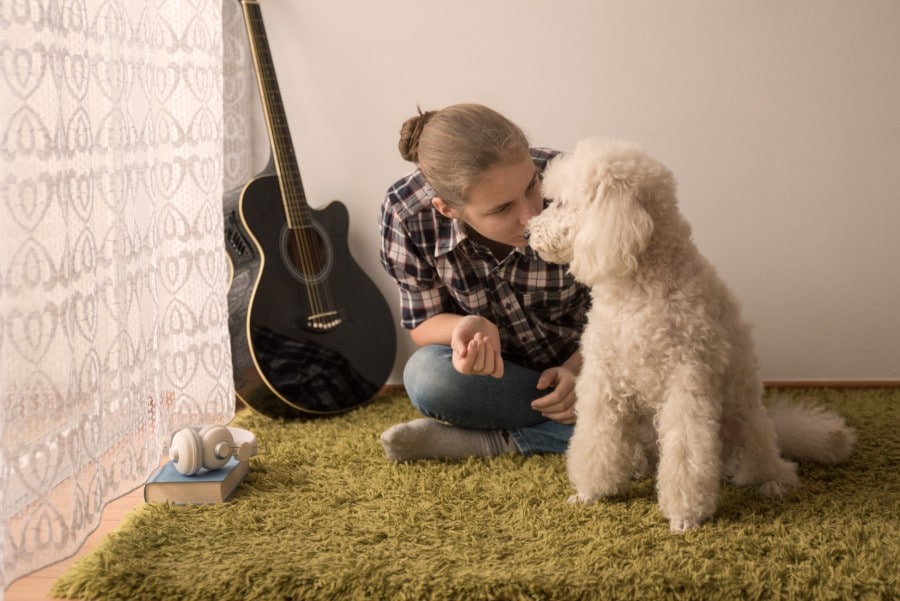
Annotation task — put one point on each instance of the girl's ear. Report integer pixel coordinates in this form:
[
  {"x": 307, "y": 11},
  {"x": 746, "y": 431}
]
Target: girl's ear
[{"x": 443, "y": 208}]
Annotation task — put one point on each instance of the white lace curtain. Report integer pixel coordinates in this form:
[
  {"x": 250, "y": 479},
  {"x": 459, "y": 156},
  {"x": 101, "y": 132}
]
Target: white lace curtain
[{"x": 121, "y": 124}]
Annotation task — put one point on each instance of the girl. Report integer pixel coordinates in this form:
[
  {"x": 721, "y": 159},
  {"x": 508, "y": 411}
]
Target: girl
[{"x": 497, "y": 326}]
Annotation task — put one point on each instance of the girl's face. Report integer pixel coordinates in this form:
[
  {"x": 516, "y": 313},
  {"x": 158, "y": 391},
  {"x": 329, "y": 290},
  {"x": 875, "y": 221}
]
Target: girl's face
[{"x": 502, "y": 203}]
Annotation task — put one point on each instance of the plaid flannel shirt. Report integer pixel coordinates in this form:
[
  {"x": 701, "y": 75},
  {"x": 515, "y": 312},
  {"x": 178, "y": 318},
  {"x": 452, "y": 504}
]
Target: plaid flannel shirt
[{"x": 538, "y": 307}]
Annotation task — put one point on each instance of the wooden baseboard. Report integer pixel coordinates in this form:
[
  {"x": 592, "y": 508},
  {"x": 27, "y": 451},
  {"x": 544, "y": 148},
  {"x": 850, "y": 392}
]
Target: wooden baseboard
[
  {"x": 831, "y": 383},
  {"x": 389, "y": 389},
  {"x": 393, "y": 389}
]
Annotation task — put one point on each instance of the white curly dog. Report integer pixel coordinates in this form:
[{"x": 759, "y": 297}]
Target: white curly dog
[{"x": 670, "y": 371}]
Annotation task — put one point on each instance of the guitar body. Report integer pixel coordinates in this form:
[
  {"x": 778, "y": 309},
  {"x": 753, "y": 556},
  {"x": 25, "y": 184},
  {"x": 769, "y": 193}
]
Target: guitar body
[{"x": 311, "y": 333}]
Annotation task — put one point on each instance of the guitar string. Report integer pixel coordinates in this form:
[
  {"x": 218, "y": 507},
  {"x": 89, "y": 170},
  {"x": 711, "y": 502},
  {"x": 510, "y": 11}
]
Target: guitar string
[
  {"x": 306, "y": 262},
  {"x": 303, "y": 236},
  {"x": 266, "y": 68},
  {"x": 306, "y": 238},
  {"x": 310, "y": 257}
]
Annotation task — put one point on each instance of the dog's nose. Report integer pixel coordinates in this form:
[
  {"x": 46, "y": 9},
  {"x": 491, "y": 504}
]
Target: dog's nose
[{"x": 527, "y": 231}]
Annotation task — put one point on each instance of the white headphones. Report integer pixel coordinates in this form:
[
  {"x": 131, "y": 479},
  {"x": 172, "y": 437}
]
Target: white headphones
[{"x": 209, "y": 447}]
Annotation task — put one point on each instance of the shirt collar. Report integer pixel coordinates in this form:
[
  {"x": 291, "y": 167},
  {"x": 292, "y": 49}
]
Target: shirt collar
[{"x": 450, "y": 233}]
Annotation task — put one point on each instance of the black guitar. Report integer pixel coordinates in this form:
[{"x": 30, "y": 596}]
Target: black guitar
[{"x": 310, "y": 332}]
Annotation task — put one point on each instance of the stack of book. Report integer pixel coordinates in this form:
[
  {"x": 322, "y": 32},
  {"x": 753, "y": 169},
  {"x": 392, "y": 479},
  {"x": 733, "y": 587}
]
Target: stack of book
[{"x": 167, "y": 484}]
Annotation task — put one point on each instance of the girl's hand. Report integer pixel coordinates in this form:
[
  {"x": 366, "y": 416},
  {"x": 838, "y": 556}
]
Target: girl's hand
[
  {"x": 559, "y": 404},
  {"x": 476, "y": 347}
]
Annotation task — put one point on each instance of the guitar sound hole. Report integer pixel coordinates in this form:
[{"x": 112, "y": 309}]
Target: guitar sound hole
[{"x": 306, "y": 253}]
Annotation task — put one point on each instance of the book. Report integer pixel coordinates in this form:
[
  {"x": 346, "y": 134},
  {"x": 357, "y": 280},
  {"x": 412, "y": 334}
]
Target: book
[{"x": 209, "y": 486}]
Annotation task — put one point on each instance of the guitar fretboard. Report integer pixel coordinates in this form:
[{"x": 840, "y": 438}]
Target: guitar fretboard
[{"x": 293, "y": 196}]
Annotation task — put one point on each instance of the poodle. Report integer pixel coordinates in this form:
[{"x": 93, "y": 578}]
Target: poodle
[{"x": 669, "y": 378}]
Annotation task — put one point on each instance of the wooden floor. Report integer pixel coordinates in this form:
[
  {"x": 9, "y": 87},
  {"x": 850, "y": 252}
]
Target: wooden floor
[{"x": 36, "y": 587}]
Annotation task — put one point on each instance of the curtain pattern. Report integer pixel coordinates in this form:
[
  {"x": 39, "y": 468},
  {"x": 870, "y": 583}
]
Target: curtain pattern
[
  {"x": 246, "y": 140},
  {"x": 118, "y": 135}
]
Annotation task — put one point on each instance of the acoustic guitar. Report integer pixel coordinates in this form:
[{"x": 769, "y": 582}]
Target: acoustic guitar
[{"x": 310, "y": 332}]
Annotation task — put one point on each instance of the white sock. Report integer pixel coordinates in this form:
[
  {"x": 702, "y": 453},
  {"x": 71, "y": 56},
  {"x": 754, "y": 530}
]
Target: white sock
[{"x": 429, "y": 439}]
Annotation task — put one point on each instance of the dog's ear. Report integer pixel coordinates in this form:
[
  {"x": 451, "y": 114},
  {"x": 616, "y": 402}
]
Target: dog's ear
[{"x": 616, "y": 230}]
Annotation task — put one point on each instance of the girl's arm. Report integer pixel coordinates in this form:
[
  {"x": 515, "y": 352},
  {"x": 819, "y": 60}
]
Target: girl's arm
[{"x": 475, "y": 341}]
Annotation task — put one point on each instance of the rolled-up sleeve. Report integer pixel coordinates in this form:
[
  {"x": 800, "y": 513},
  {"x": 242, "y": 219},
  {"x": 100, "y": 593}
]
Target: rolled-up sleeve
[{"x": 422, "y": 293}]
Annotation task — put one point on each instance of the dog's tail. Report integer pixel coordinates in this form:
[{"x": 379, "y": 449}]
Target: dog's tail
[{"x": 810, "y": 433}]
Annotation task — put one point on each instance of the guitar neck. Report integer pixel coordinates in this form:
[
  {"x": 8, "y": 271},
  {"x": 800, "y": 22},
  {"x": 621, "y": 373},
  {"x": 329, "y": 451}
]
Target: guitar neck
[{"x": 293, "y": 196}]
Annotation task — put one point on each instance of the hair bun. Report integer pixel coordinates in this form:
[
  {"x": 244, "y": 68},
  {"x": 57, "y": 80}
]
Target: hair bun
[{"x": 410, "y": 132}]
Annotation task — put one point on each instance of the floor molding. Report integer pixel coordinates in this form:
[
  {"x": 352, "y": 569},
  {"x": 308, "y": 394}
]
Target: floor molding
[
  {"x": 393, "y": 389},
  {"x": 390, "y": 389},
  {"x": 831, "y": 383}
]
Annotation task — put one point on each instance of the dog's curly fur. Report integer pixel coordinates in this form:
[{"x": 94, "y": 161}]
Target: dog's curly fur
[{"x": 669, "y": 364}]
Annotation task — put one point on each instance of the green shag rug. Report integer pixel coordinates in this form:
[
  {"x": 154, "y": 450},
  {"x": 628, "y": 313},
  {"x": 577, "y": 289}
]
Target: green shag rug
[{"x": 323, "y": 515}]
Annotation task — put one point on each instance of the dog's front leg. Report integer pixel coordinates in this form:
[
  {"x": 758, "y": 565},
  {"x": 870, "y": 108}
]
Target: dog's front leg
[
  {"x": 690, "y": 464},
  {"x": 601, "y": 454}
]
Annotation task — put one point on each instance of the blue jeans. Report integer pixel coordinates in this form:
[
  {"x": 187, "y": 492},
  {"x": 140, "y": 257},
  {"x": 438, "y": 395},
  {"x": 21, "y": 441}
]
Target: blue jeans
[{"x": 437, "y": 390}]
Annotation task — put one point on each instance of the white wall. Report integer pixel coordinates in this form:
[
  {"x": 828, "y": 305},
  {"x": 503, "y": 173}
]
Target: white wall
[{"x": 780, "y": 118}]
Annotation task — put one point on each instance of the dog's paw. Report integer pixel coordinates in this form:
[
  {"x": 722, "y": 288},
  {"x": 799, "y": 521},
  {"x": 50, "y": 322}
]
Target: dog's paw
[
  {"x": 680, "y": 525},
  {"x": 785, "y": 480},
  {"x": 774, "y": 489},
  {"x": 582, "y": 499}
]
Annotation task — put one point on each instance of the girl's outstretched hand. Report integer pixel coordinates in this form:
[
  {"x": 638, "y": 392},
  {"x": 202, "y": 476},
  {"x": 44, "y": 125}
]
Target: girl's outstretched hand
[{"x": 476, "y": 347}]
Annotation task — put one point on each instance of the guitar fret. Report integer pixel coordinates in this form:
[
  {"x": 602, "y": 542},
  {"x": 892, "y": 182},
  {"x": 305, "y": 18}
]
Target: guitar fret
[{"x": 293, "y": 196}]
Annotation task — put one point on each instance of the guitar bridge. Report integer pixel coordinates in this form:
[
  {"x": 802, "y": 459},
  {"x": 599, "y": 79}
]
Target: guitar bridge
[
  {"x": 318, "y": 322},
  {"x": 322, "y": 322}
]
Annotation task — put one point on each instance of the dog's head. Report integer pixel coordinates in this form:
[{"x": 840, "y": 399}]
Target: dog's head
[{"x": 597, "y": 221}]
